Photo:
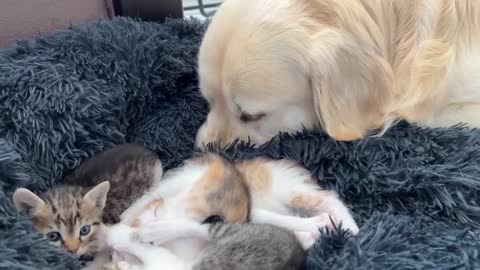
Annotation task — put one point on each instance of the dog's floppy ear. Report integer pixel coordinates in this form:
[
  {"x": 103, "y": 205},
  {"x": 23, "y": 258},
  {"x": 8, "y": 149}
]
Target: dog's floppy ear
[{"x": 352, "y": 85}]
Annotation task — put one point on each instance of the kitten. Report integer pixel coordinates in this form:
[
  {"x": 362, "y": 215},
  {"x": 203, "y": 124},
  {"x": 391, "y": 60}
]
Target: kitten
[
  {"x": 251, "y": 246},
  {"x": 94, "y": 193},
  {"x": 261, "y": 191},
  {"x": 231, "y": 247}
]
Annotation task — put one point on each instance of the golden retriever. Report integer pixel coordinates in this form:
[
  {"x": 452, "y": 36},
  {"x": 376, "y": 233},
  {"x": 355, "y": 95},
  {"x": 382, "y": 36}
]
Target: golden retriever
[{"x": 350, "y": 67}]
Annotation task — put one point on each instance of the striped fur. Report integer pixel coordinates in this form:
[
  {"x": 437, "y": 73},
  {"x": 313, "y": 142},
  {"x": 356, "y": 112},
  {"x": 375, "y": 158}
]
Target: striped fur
[
  {"x": 95, "y": 192},
  {"x": 66, "y": 211}
]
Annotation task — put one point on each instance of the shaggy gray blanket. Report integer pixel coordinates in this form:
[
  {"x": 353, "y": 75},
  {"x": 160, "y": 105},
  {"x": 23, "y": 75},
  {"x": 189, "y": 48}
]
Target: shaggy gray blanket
[{"x": 64, "y": 97}]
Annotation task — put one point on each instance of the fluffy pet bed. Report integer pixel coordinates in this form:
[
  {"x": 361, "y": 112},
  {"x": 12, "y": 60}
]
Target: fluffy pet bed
[{"x": 64, "y": 97}]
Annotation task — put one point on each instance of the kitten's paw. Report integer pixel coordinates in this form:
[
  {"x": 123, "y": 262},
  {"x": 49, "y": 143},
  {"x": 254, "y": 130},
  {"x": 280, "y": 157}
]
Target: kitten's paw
[
  {"x": 120, "y": 236},
  {"x": 110, "y": 266},
  {"x": 309, "y": 230},
  {"x": 125, "y": 258},
  {"x": 326, "y": 221},
  {"x": 150, "y": 232},
  {"x": 159, "y": 231},
  {"x": 352, "y": 227},
  {"x": 307, "y": 239},
  {"x": 123, "y": 265},
  {"x": 118, "y": 256},
  {"x": 314, "y": 224}
]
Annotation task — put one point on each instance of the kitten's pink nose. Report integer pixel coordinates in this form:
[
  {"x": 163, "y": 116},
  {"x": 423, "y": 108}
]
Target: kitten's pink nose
[
  {"x": 72, "y": 250},
  {"x": 72, "y": 246}
]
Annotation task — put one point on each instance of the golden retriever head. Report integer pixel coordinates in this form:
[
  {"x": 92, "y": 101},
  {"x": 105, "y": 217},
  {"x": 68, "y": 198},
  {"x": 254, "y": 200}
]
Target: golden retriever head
[{"x": 269, "y": 66}]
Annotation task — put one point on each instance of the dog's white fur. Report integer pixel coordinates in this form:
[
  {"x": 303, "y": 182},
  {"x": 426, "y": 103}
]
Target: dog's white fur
[{"x": 350, "y": 67}]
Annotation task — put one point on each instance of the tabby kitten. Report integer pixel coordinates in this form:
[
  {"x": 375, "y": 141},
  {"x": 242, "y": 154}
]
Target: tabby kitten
[{"x": 94, "y": 193}]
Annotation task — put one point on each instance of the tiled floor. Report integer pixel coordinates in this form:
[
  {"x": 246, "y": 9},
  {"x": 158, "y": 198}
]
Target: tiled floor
[{"x": 196, "y": 12}]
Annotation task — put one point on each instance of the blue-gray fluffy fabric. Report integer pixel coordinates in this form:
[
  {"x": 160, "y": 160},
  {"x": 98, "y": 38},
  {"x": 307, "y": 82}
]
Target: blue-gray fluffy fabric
[{"x": 64, "y": 97}]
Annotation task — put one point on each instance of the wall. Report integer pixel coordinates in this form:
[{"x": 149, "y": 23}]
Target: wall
[{"x": 23, "y": 19}]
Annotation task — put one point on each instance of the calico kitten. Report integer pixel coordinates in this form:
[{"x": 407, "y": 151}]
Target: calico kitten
[
  {"x": 264, "y": 191},
  {"x": 231, "y": 247},
  {"x": 94, "y": 193}
]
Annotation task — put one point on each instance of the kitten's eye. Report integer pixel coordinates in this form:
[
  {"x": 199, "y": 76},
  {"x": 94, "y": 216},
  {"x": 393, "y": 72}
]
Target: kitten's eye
[
  {"x": 245, "y": 117},
  {"x": 54, "y": 236},
  {"x": 85, "y": 230}
]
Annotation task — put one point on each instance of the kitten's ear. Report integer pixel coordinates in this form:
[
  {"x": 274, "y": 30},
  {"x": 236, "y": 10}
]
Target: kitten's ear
[
  {"x": 98, "y": 194},
  {"x": 24, "y": 199}
]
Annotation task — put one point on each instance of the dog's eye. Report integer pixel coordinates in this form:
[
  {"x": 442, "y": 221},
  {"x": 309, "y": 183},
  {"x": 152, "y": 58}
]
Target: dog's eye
[{"x": 245, "y": 117}]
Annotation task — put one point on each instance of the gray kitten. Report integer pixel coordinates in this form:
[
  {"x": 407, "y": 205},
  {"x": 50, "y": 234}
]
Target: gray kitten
[
  {"x": 252, "y": 246},
  {"x": 94, "y": 193}
]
